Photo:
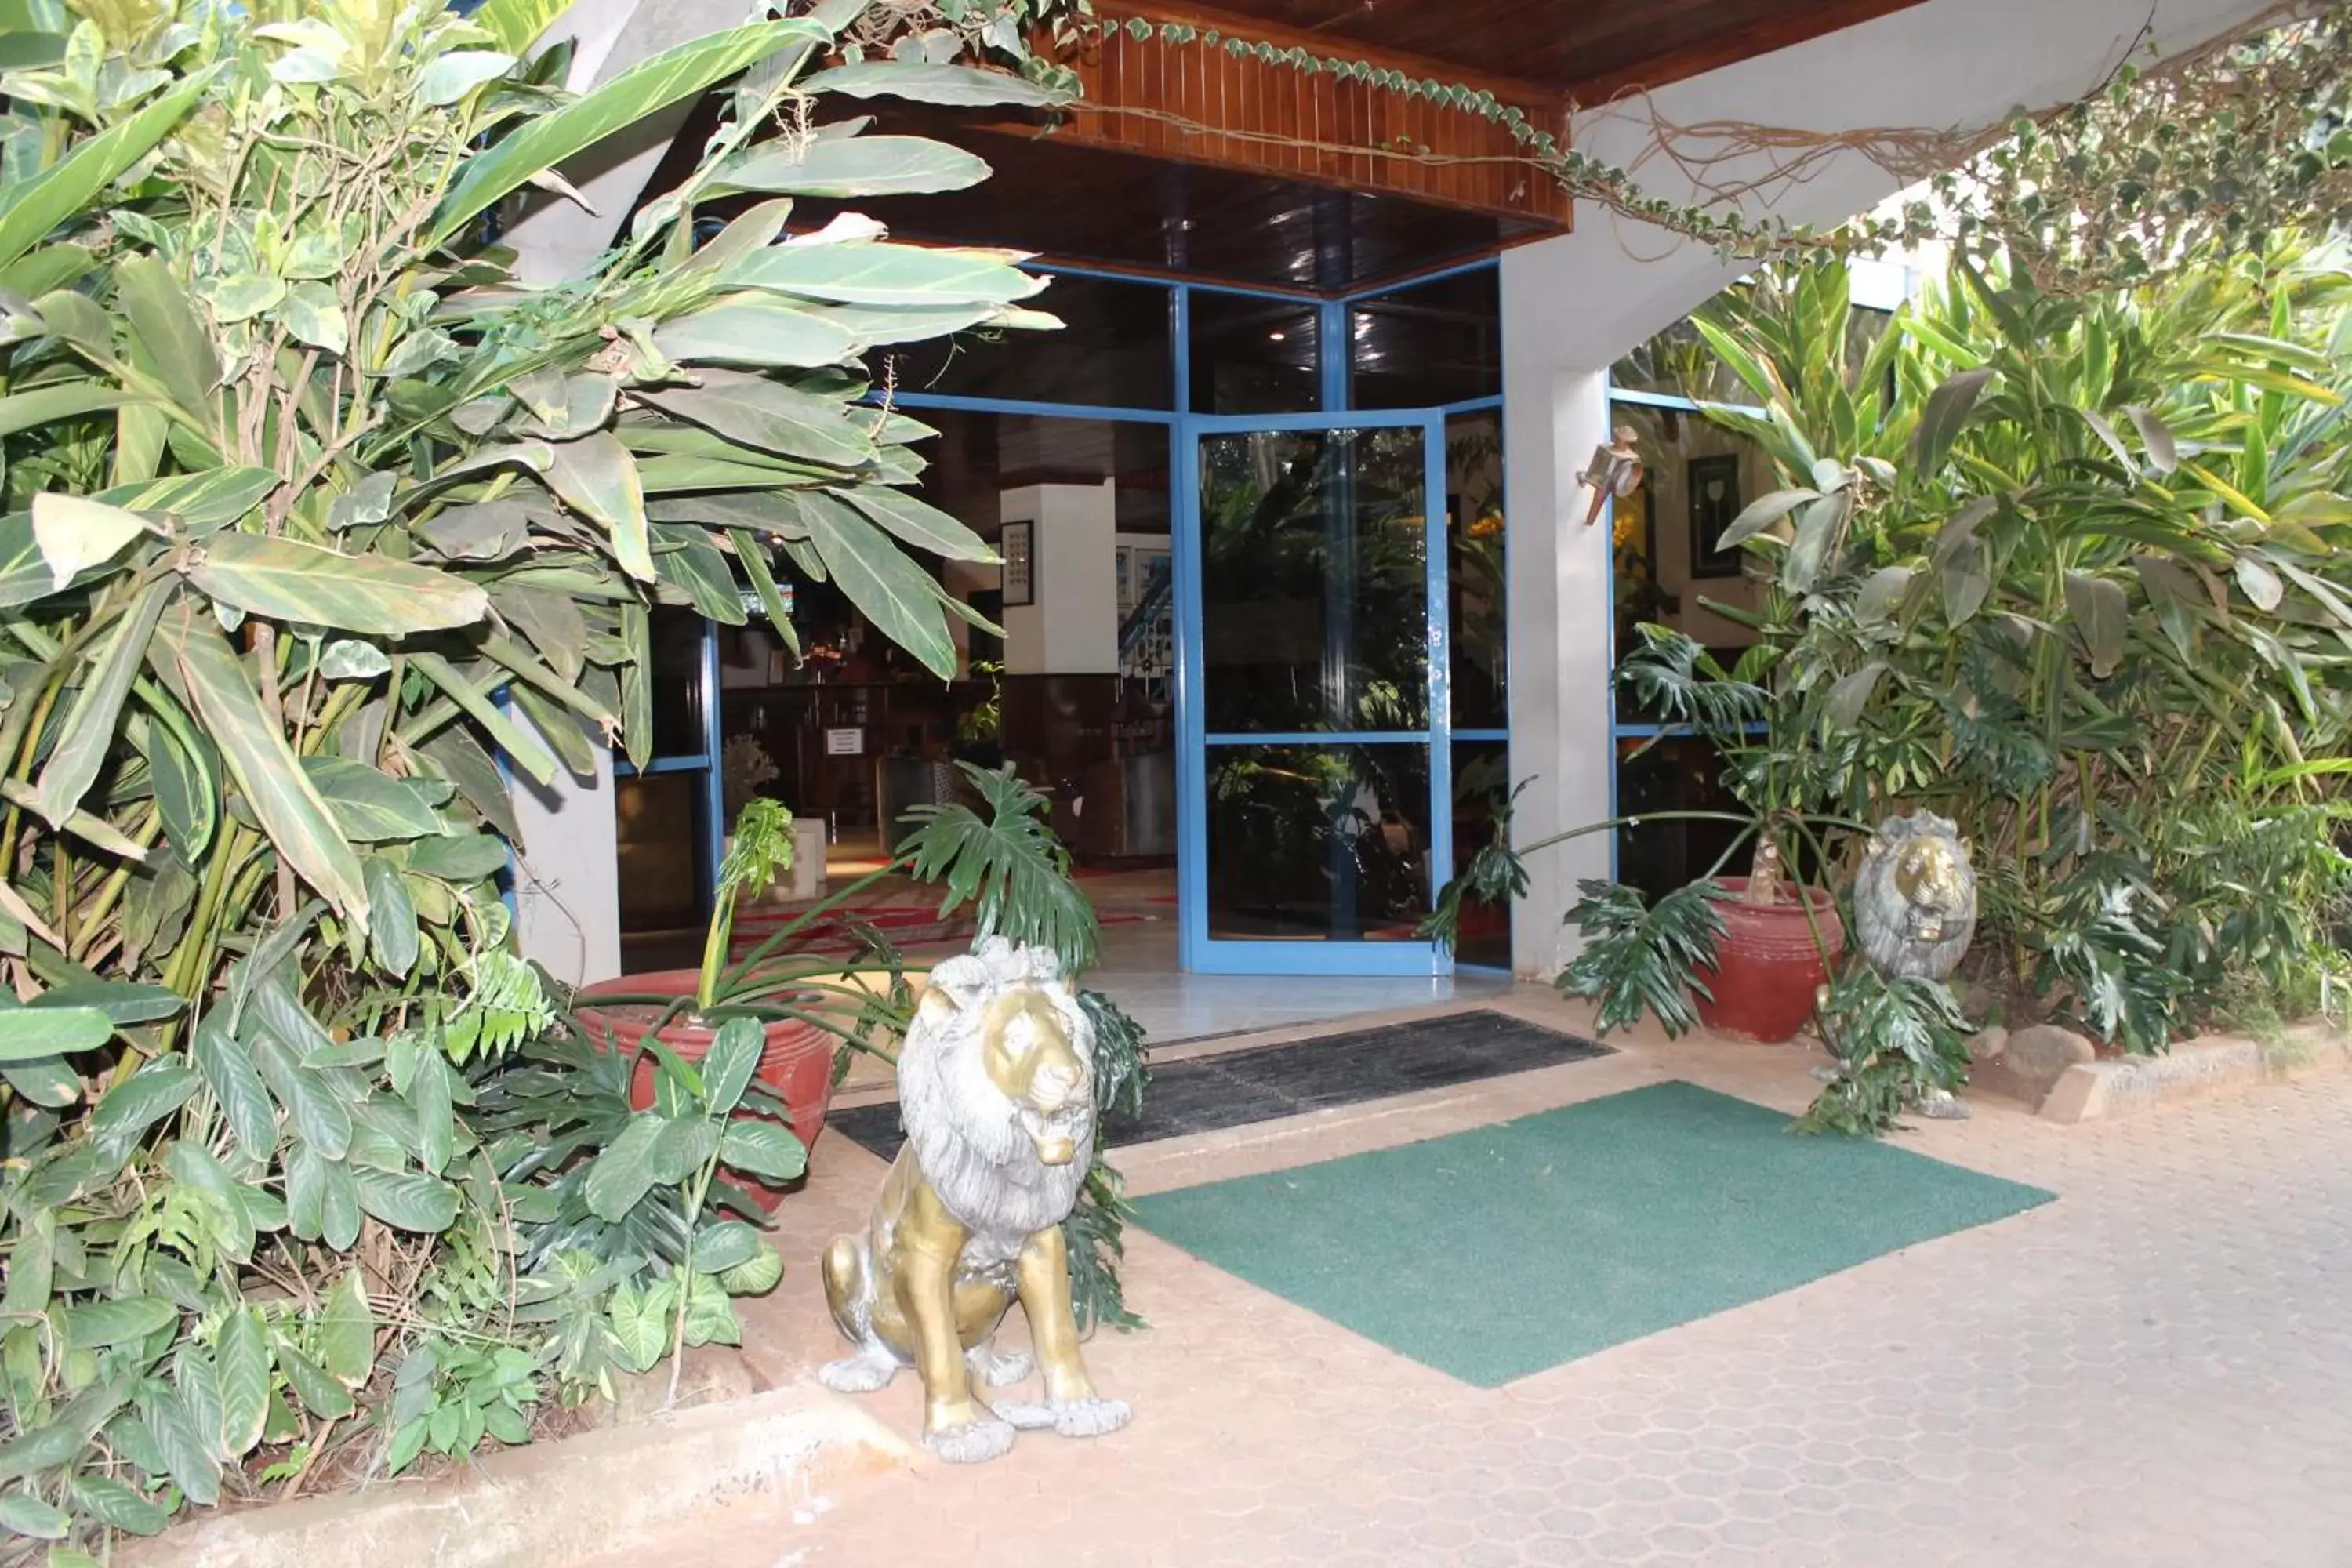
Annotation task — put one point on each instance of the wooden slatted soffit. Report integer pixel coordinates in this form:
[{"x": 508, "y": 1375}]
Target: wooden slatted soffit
[{"x": 1202, "y": 103}]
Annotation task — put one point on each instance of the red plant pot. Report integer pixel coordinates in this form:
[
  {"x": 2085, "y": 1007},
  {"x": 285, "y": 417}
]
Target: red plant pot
[
  {"x": 796, "y": 1064},
  {"x": 1767, "y": 965}
]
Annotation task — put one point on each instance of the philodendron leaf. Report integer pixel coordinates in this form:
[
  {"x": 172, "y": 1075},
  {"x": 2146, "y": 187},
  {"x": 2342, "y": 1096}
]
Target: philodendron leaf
[
  {"x": 74, "y": 532},
  {"x": 763, "y": 1149},
  {"x": 728, "y": 1066},
  {"x": 372, "y": 593},
  {"x": 193, "y": 658}
]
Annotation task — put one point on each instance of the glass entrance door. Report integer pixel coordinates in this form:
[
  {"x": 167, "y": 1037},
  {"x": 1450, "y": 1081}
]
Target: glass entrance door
[{"x": 1314, "y": 764}]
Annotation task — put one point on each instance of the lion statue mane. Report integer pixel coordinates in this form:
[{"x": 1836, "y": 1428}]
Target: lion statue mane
[{"x": 1914, "y": 898}]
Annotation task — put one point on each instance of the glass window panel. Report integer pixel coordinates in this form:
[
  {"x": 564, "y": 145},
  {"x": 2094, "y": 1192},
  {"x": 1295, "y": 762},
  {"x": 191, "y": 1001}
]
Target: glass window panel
[
  {"x": 1313, "y": 593},
  {"x": 659, "y": 824},
  {"x": 1678, "y": 362},
  {"x": 1482, "y": 786},
  {"x": 1696, "y": 476},
  {"x": 1680, "y": 773},
  {"x": 1112, "y": 351},
  {"x": 677, "y": 683},
  {"x": 1437, "y": 342},
  {"x": 1313, "y": 844},
  {"x": 1475, "y": 582},
  {"x": 1253, "y": 356}
]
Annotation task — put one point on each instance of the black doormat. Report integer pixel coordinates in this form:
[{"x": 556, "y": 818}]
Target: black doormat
[{"x": 1204, "y": 1094}]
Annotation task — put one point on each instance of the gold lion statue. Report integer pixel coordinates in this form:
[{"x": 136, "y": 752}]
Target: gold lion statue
[
  {"x": 1915, "y": 896},
  {"x": 997, "y": 1090}
]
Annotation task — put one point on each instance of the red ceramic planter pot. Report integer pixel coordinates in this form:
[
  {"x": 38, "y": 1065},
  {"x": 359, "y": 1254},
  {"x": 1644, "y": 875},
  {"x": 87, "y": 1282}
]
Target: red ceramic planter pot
[
  {"x": 1767, "y": 965},
  {"x": 796, "y": 1065}
]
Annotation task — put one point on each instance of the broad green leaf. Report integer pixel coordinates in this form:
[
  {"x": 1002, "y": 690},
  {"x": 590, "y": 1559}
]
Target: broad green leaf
[
  {"x": 243, "y": 1356},
  {"x": 854, "y": 166},
  {"x": 23, "y": 1513},
  {"x": 1762, "y": 513},
  {"x": 314, "y": 316},
  {"x": 733, "y": 1058},
  {"x": 2101, "y": 613},
  {"x": 117, "y": 1321},
  {"x": 1966, "y": 578},
  {"x": 312, "y": 1106},
  {"x": 167, "y": 331},
  {"x": 28, "y": 1033},
  {"x": 516, "y": 25},
  {"x": 918, "y": 522},
  {"x": 752, "y": 328},
  {"x": 306, "y": 1192},
  {"x": 392, "y": 929},
  {"x": 125, "y": 1112},
  {"x": 124, "y": 1000},
  {"x": 768, "y": 415},
  {"x": 117, "y": 1506},
  {"x": 895, "y": 594},
  {"x": 637, "y": 686},
  {"x": 187, "y": 1456},
  {"x": 751, "y": 555},
  {"x": 693, "y": 564},
  {"x": 458, "y": 858},
  {"x": 2163, "y": 451},
  {"x": 349, "y": 659},
  {"x": 30, "y": 208},
  {"x": 597, "y": 477},
  {"x": 1883, "y": 594},
  {"x": 458, "y": 73},
  {"x": 202, "y": 502},
  {"x": 408, "y": 1201},
  {"x": 89, "y": 729},
  {"x": 685, "y": 1142},
  {"x": 21, "y": 411},
  {"x": 370, "y": 806},
  {"x": 624, "y": 1173},
  {"x": 186, "y": 771},
  {"x": 884, "y": 274},
  {"x": 923, "y": 82},
  {"x": 321, "y": 1395},
  {"x": 763, "y": 1149},
  {"x": 372, "y": 593},
  {"x": 429, "y": 1095},
  {"x": 2261, "y": 584},
  {"x": 709, "y": 1315},
  {"x": 667, "y": 78},
  {"x": 75, "y": 534},
  {"x": 1852, "y": 694},
  {"x": 229, "y": 1071},
  {"x": 1946, "y": 411},
  {"x": 346, "y": 1331},
  {"x": 551, "y": 620},
  {"x": 757, "y": 1276},
  {"x": 242, "y": 296},
  {"x": 725, "y": 1244},
  {"x": 457, "y": 757},
  {"x": 522, "y": 748},
  {"x": 1817, "y": 531},
  {"x": 191, "y": 654},
  {"x": 641, "y": 1326}
]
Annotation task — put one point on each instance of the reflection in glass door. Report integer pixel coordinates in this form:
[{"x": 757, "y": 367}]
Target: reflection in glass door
[{"x": 1317, "y": 810}]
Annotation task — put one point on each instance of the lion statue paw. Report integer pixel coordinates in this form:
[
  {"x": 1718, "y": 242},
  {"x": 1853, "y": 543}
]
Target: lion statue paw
[
  {"x": 995, "y": 1368},
  {"x": 871, "y": 1369},
  {"x": 973, "y": 1442},
  {"x": 1091, "y": 1418}
]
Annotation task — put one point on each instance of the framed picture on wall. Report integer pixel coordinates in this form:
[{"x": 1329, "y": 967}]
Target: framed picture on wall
[
  {"x": 1713, "y": 484},
  {"x": 1020, "y": 564}
]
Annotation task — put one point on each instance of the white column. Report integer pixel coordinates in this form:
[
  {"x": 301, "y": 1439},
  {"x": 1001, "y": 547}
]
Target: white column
[
  {"x": 567, "y": 882},
  {"x": 1558, "y": 602}
]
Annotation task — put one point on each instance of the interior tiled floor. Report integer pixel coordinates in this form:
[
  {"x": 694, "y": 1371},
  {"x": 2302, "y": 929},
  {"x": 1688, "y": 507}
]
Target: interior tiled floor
[{"x": 2155, "y": 1370}]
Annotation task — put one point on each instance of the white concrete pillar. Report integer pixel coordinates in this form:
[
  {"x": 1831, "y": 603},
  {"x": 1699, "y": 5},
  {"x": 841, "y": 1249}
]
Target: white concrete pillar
[{"x": 1071, "y": 625}]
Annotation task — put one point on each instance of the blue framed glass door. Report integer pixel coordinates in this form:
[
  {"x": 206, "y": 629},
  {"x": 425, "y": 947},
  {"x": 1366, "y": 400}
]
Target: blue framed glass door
[{"x": 1314, "y": 763}]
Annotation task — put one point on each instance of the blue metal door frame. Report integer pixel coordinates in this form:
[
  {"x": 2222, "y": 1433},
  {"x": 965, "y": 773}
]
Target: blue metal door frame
[{"x": 1199, "y": 953}]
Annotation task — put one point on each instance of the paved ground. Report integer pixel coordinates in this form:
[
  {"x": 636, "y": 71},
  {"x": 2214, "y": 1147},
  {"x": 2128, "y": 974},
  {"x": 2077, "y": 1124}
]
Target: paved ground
[{"x": 2155, "y": 1370}]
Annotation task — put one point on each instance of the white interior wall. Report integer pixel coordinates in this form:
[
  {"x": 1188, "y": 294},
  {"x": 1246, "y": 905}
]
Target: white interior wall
[
  {"x": 1573, "y": 305},
  {"x": 1073, "y": 626}
]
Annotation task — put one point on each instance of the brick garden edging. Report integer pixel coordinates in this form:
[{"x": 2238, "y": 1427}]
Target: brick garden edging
[{"x": 2126, "y": 1086}]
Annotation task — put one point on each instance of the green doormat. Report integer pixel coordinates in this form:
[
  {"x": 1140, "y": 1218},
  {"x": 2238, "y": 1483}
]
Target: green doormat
[{"x": 1499, "y": 1252}]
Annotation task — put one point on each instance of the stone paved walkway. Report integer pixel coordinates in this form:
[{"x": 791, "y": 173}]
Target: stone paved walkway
[{"x": 2155, "y": 1370}]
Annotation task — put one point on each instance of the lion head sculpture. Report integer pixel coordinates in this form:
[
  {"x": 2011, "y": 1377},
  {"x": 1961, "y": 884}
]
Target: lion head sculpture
[
  {"x": 1914, "y": 898},
  {"x": 997, "y": 1090}
]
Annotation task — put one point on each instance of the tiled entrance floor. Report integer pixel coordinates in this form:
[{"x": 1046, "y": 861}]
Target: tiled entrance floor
[{"x": 2155, "y": 1370}]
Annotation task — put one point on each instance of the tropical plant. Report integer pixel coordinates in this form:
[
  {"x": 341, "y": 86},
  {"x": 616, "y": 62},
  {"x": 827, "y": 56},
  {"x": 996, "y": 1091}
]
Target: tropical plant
[{"x": 298, "y": 481}]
